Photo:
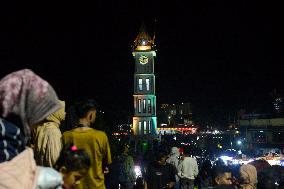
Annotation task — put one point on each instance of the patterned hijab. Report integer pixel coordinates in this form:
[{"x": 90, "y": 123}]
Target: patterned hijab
[{"x": 26, "y": 97}]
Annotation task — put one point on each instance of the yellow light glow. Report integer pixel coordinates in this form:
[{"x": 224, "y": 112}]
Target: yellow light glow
[{"x": 143, "y": 48}]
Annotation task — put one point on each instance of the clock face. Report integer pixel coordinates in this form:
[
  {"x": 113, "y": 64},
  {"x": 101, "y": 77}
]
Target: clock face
[{"x": 143, "y": 59}]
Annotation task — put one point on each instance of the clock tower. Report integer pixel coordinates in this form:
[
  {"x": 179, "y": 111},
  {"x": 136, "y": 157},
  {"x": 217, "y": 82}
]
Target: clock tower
[{"x": 144, "y": 119}]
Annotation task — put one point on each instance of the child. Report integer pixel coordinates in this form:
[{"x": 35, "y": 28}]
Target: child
[{"x": 73, "y": 164}]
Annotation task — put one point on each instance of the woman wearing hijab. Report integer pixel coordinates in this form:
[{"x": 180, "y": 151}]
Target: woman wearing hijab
[
  {"x": 248, "y": 176},
  {"x": 47, "y": 137},
  {"x": 25, "y": 100},
  {"x": 174, "y": 160}
]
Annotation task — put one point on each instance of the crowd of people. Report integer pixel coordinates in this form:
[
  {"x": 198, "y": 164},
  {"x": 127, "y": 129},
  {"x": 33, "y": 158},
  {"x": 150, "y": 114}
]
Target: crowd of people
[
  {"x": 35, "y": 152},
  {"x": 179, "y": 169},
  {"x": 44, "y": 145}
]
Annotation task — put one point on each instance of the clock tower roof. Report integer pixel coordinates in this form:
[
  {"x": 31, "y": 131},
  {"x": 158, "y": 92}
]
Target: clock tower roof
[{"x": 143, "y": 41}]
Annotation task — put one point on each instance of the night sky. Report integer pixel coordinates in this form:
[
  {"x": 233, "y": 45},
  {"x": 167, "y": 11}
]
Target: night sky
[{"x": 219, "y": 55}]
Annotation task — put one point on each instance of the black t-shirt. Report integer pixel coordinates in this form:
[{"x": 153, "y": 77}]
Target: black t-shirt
[{"x": 158, "y": 176}]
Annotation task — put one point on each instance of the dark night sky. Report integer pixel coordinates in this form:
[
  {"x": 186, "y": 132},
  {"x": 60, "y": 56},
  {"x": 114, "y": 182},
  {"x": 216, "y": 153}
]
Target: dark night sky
[{"x": 219, "y": 55}]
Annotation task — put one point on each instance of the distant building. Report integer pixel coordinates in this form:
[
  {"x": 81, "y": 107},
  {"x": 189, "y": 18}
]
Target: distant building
[
  {"x": 174, "y": 114},
  {"x": 177, "y": 129},
  {"x": 278, "y": 102},
  {"x": 262, "y": 131},
  {"x": 176, "y": 118}
]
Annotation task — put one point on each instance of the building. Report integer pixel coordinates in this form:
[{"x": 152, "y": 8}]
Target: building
[
  {"x": 144, "y": 119},
  {"x": 262, "y": 131},
  {"x": 175, "y": 114},
  {"x": 176, "y": 118},
  {"x": 177, "y": 129},
  {"x": 278, "y": 102}
]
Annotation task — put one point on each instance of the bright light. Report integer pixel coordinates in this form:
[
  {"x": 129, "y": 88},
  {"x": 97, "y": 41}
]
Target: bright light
[
  {"x": 215, "y": 132},
  {"x": 137, "y": 170},
  {"x": 235, "y": 162},
  {"x": 226, "y": 158},
  {"x": 246, "y": 161},
  {"x": 143, "y": 47},
  {"x": 239, "y": 142},
  {"x": 274, "y": 162}
]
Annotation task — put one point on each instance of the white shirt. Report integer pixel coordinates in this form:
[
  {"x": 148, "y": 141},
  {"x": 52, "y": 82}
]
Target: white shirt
[{"x": 188, "y": 168}]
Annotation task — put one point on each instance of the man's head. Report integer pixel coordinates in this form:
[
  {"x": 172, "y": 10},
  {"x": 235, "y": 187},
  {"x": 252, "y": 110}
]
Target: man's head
[
  {"x": 161, "y": 157},
  {"x": 222, "y": 175},
  {"x": 86, "y": 110},
  {"x": 187, "y": 151}
]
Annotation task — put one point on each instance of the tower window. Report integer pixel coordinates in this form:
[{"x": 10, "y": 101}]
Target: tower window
[
  {"x": 139, "y": 127},
  {"x": 144, "y": 105},
  {"x": 148, "y": 84},
  {"x": 149, "y": 126},
  {"x": 149, "y": 106},
  {"x": 145, "y": 127},
  {"x": 140, "y": 84},
  {"x": 139, "y": 105}
]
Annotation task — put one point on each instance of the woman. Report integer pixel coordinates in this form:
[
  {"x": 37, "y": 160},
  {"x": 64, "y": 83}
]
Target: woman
[
  {"x": 248, "y": 176},
  {"x": 25, "y": 100},
  {"x": 47, "y": 136}
]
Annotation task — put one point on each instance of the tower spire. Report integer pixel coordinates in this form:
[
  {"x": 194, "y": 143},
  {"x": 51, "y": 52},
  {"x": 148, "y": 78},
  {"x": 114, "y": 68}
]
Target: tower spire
[{"x": 143, "y": 41}]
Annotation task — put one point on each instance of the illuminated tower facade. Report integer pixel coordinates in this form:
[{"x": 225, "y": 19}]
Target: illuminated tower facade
[{"x": 144, "y": 119}]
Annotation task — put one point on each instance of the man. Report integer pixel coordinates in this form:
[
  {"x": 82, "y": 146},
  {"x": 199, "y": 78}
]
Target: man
[
  {"x": 159, "y": 173},
  {"x": 222, "y": 176},
  {"x": 93, "y": 141},
  {"x": 187, "y": 170}
]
